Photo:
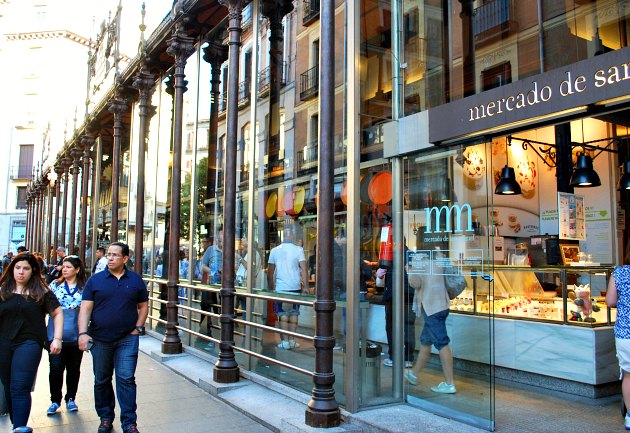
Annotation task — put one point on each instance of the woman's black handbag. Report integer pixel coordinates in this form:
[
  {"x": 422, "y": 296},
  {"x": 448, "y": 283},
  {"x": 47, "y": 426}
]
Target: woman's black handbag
[{"x": 70, "y": 326}]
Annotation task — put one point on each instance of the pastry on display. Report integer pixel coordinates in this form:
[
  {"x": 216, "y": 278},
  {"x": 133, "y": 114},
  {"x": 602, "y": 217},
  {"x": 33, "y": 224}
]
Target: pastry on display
[
  {"x": 474, "y": 168},
  {"x": 526, "y": 177}
]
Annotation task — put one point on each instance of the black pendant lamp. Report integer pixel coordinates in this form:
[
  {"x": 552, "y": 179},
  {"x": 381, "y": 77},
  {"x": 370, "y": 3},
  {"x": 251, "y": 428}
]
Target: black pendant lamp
[
  {"x": 584, "y": 175},
  {"x": 624, "y": 182},
  {"x": 507, "y": 184},
  {"x": 446, "y": 193}
]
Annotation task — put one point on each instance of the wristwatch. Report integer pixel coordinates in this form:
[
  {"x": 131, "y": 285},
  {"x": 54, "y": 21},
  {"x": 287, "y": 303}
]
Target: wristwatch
[{"x": 140, "y": 330}]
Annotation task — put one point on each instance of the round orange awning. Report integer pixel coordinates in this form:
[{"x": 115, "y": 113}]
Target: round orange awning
[{"x": 380, "y": 188}]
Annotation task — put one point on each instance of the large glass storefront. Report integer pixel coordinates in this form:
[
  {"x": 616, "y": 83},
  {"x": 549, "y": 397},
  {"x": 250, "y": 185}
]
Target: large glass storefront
[{"x": 514, "y": 256}]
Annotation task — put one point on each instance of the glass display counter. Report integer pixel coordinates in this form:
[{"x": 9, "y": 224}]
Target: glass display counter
[{"x": 570, "y": 295}]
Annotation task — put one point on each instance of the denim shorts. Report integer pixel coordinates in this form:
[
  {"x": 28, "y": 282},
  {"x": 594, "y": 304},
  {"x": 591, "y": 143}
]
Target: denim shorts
[
  {"x": 286, "y": 308},
  {"x": 434, "y": 331}
]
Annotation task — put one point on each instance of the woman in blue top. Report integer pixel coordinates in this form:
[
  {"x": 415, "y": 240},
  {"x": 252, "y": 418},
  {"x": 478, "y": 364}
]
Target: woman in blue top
[
  {"x": 69, "y": 291},
  {"x": 618, "y": 295}
]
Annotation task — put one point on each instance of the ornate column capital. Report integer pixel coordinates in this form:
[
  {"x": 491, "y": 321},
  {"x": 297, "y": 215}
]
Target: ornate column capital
[
  {"x": 77, "y": 153},
  {"x": 235, "y": 10},
  {"x": 180, "y": 45},
  {"x": 117, "y": 106},
  {"x": 144, "y": 82},
  {"x": 58, "y": 168},
  {"x": 216, "y": 53},
  {"x": 87, "y": 141},
  {"x": 275, "y": 10},
  {"x": 66, "y": 162}
]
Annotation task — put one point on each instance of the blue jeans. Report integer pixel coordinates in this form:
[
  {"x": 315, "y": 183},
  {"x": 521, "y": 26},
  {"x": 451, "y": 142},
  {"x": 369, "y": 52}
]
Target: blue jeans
[
  {"x": 18, "y": 368},
  {"x": 121, "y": 357}
]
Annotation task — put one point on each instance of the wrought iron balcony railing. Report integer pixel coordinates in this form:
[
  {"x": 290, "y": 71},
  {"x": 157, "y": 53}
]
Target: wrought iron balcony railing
[
  {"x": 307, "y": 157},
  {"x": 309, "y": 83},
  {"x": 310, "y": 11},
  {"x": 264, "y": 79},
  {"x": 244, "y": 90},
  {"x": 222, "y": 102},
  {"x": 21, "y": 172}
]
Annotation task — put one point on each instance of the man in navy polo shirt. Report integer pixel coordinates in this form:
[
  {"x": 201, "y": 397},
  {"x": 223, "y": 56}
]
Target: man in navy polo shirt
[{"x": 115, "y": 303}]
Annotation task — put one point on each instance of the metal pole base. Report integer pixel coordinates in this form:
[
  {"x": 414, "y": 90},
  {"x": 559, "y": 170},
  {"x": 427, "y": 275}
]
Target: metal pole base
[
  {"x": 226, "y": 374},
  {"x": 171, "y": 348},
  {"x": 322, "y": 419}
]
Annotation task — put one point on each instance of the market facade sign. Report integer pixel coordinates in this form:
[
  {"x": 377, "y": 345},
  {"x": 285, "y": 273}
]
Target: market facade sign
[{"x": 590, "y": 81}]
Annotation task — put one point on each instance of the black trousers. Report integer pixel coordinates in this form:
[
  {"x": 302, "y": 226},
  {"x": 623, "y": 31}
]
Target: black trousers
[
  {"x": 409, "y": 330},
  {"x": 210, "y": 303},
  {"x": 69, "y": 360}
]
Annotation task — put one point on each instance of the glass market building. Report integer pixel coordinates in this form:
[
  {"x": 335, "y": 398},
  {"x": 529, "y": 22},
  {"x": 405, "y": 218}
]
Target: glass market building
[{"x": 485, "y": 139}]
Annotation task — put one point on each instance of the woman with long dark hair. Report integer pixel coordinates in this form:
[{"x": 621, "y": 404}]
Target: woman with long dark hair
[
  {"x": 24, "y": 302},
  {"x": 69, "y": 292}
]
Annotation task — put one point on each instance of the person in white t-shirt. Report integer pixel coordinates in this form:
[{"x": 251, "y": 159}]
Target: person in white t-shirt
[{"x": 287, "y": 273}]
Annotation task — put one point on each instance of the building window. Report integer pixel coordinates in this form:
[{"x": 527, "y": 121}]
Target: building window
[
  {"x": 21, "y": 198},
  {"x": 26, "y": 161}
]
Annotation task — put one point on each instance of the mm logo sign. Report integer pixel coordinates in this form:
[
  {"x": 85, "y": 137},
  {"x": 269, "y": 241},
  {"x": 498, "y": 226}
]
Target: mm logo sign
[{"x": 451, "y": 213}]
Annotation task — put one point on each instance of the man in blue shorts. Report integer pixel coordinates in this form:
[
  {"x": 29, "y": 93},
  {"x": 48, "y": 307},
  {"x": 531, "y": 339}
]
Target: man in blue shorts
[{"x": 115, "y": 303}]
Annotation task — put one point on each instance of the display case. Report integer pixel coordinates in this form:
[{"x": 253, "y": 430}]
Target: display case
[{"x": 571, "y": 295}]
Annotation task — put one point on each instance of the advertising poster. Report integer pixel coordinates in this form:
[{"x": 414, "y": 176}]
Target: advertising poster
[{"x": 571, "y": 216}]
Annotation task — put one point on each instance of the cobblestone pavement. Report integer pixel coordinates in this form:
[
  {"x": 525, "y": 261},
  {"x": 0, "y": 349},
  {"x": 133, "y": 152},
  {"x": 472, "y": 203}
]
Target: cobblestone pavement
[{"x": 167, "y": 403}]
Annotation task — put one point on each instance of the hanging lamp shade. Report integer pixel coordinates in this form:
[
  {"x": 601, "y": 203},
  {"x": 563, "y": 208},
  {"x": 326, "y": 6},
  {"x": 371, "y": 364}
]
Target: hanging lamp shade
[
  {"x": 507, "y": 184},
  {"x": 445, "y": 191},
  {"x": 624, "y": 181},
  {"x": 584, "y": 175}
]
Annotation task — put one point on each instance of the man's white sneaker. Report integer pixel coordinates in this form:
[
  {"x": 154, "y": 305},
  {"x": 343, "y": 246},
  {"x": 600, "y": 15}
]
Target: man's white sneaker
[
  {"x": 626, "y": 422},
  {"x": 284, "y": 344},
  {"x": 444, "y": 388},
  {"x": 388, "y": 362},
  {"x": 411, "y": 377}
]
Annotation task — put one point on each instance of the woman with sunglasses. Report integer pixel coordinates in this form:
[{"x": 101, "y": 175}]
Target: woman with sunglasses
[
  {"x": 69, "y": 291},
  {"x": 24, "y": 302}
]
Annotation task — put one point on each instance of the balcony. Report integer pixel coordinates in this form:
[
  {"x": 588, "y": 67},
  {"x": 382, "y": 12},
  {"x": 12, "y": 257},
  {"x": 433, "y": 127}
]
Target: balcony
[
  {"x": 264, "y": 80},
  {"x": 493, "y": 19},
  {"x": 222, "y": 103},
  {"x": 244, "y": 90},
  {"x": 310, "y": 12},
  {"x": 307, "y": 158},
  {"x": 309, "y": 83},
  {"x": 20, "y": 172},
  {"x": 244, "y": 173}
]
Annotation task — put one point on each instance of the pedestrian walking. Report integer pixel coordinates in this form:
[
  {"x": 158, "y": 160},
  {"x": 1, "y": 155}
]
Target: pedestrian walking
[
  {"x": 618, "y": 295},
  {"x": 115, "y": 304},
  {"x": 211, "y": 269},
  {"x": 69, "y": 290},
  {"x": 24, "y": 302},
  {"x": 54, "y": 270},
  {"x": 432, "y": 303},
  {"x": 101, "y": 261},
  {"x": 287, "y": 273}
]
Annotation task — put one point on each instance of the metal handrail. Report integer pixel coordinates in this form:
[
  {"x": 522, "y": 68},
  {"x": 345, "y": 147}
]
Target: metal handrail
[
  {"x": 290, "y": 299},
  {"x": 208, "y": 288}
]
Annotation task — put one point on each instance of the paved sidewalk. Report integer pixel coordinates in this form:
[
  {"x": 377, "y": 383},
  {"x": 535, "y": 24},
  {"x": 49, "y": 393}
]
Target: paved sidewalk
[{"x": 163, "y": 398}]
